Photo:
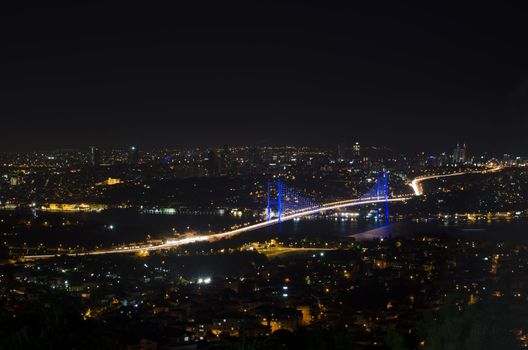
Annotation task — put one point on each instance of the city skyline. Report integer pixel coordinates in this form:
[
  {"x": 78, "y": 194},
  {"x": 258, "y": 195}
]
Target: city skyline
[{"x": 461, "y": 153}]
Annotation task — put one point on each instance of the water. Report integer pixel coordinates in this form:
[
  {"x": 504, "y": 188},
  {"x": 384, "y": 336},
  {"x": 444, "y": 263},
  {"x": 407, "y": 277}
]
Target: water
[
  {"x": 105, "y": 228},
  {"x": 337, "y": 230},
  {"x": 126, "y": 226}
]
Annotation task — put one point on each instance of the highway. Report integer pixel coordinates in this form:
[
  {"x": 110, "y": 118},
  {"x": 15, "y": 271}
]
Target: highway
[
  {"x": 415, "y": 184},
  {"x": 417, "y": 187},
  {"x": 278, "y": 251}
]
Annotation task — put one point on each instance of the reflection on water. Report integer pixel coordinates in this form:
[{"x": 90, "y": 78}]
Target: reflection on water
[
  {"x": 129, "y": 226},
  {"x": 499, "y": 230},
  {"x": 513, "y": 231}
]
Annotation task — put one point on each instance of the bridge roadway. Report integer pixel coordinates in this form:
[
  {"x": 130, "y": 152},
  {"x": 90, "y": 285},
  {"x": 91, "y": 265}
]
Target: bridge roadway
[
  {"x": 415, "y": 184},
  {"x": 217, "y": 236}
]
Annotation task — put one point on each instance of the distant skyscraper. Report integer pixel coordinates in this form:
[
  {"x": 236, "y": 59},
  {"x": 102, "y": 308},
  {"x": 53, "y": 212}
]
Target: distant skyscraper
[
  {"x": 443, "y": 159},
  {"x": 341, "y": 151},
  {"x": 133, "y": 155},
  {"x": 459, "y": 154},
  {"x": 356, "y": 150},
  {"x": 456, "y": 154},
  {"x": 212, "y": 163},
  {"x": 463, "y": 154},
  {"x": 224, "y": 160},
  {"x": 94, "y": 156}
]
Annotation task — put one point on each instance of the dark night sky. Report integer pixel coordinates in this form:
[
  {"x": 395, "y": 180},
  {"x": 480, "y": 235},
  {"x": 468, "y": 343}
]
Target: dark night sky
[{"x": 410, "y": 77}]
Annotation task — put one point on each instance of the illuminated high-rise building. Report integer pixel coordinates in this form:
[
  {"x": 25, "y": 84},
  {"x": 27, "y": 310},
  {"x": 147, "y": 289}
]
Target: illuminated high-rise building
[
  {"x": 459, "y": 154},
  {"x": 133, "y": 155},
  {"x": 463, "y": 154},
  {"x": 94, "y": 157},
  {"x": 212, "y": 163},
  {"x": 443, "y": 159},
  {"x": 356, "y": 149},
  {"x": 224, "y": 160},
  {"x": 456, "y": 152}
]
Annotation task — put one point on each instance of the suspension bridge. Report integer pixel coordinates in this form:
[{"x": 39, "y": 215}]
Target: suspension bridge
[
  {"x": 284, "y": 204},
  {"x": 283, "y": 201}
]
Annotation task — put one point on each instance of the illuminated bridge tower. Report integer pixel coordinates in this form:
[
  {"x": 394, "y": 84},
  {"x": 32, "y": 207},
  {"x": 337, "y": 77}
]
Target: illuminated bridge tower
[
  {"x": 277, "y": 188},
  {"x": 288, "y": 201},
  {"x": 382, "y": 191}
]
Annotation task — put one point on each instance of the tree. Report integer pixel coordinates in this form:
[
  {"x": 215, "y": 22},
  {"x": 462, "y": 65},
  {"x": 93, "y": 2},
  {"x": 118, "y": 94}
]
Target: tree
[{"x": 484, "y": 325}]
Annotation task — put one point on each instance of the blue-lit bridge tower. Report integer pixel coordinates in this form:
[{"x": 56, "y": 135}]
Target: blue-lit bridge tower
[
  {"x": 382, "y": 188},
  {"x": 277, "y": 188},
  {"x": 380, "y": 191},
  {"x": 286, "y": 200}
]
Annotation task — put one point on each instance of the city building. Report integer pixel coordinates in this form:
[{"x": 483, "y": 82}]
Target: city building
[
  {"x": 133, "y": 155},
  {"x": 94, "y": 156},
  {"x": 460, "y": 154},
  {"x": 212, "y": 163},
  {"x": 224, "y": 160},
  {"x": 356, "y": 149}
]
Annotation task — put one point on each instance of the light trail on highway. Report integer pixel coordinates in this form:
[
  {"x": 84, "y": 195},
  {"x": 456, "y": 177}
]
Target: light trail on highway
[
  {"x": 218, "y": 236},
  {"x": 415, "y": 184}
]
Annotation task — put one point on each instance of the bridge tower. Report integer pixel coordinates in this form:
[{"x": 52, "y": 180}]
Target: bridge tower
[
  {"x": 382, "y": 191},
  {"x": 277, "y": 186}
]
